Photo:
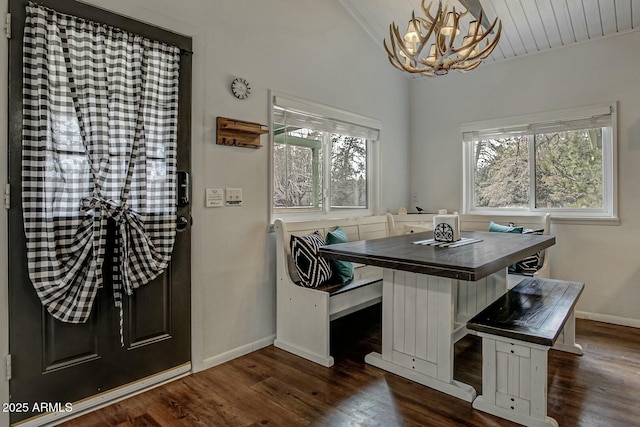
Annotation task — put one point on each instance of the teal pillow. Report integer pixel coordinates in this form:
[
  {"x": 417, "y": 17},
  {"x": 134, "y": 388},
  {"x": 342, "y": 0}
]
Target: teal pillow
[
  {"x": 343, "y": 269},
  {"x": 506, "y": 229}
]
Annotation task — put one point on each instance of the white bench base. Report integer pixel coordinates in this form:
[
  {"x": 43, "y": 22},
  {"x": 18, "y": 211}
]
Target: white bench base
[
  {"x": 514, "y": 381},
  {"x": 304, "y": 315},
  {"x": 567, "y": 339},
  {"x": 517, "y": 332},
  {"x": 307, "y": 334}
]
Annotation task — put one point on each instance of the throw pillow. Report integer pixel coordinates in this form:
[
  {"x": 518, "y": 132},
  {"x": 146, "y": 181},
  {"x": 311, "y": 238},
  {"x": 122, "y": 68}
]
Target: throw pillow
[
  {"x": 529, "y": 265},
  {"x": 506, "y": 229},
  {"x": 342, "y": 269},
  {"x": 312, "y": 268}
]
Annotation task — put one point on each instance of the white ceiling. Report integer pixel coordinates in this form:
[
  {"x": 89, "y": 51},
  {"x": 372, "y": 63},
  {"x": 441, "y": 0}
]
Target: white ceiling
[{"x": 528, "y": 26}]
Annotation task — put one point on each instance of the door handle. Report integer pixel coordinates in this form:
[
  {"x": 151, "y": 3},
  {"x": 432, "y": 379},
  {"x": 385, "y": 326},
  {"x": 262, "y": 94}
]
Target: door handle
[{"x": 182, "y": 223}]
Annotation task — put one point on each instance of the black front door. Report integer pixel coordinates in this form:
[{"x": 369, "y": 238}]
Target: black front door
[{"x": 55, "y": 363}]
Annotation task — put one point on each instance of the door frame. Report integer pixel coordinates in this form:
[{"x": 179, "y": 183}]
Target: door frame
[
  {"x": 4, "y": 220},
  {"x": 150, "y": 16}
]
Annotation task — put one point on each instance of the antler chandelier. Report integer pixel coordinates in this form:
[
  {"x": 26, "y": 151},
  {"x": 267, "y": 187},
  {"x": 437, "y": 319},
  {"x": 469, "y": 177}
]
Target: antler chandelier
[{"x": 407, "y": 52}]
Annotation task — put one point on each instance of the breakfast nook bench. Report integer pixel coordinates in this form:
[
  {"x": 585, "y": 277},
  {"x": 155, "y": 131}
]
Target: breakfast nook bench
[
  {"x": 517, "y": 331},
  {"x": 303, "y": 314}
]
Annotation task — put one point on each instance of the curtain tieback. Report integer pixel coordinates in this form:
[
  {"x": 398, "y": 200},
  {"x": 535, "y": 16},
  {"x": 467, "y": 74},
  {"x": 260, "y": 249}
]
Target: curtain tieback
[
  {"x": 110, "y": 208},
  {"x": 121, "y": 213}
]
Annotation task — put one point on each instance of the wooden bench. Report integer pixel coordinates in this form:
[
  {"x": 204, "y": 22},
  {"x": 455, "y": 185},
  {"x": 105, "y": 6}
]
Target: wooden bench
[
  {"x": 402, "y": 224},
  {"x": 517, "y": 331},
  {"x": 303, "y": 315}
]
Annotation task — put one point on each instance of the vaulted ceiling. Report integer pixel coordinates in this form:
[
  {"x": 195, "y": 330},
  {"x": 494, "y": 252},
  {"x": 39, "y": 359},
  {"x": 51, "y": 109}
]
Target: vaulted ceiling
[{"x": 529, "y": 26}]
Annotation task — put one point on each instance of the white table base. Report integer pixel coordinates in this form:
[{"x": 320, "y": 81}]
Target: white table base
[{"x": 422, "y": 318}]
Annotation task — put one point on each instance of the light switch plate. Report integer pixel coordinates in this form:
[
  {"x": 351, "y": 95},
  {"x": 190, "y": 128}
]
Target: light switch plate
[
  {"x": 234, "y": 196},
  {"x": 214, "y": 197}
]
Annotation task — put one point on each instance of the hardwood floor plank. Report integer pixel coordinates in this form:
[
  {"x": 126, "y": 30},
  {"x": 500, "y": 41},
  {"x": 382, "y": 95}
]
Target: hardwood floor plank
[
  {"x": 246, "y": 401},
  {"x": 273, "y": 387}
]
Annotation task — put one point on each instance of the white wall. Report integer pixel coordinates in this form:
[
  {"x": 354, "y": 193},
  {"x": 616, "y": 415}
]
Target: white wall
[
  {"x": 309, "y": 49},
  {"x": 605, "y": 257}
]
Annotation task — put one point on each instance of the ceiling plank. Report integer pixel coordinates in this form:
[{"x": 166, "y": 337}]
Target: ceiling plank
[
  {"x": 398, "y": 12},
  {"x": 592, "y": 15},
  {"x": 523, "y": 27},
  {"x": 578, "y": 21},
  {"x": 623, "y": 15},
  {"x": 377, "y": 17},
  {"x": 563, "y": 20},
  {"x": 635, "y": 14},
  {"x": 364, "y": 16},
  {"x": 502, "y": 49},
  {"x": 510, "y": 43},
  {"x": 548, "y": 17},
  {"x": 608, "y": 16},
  {"x": 535, "y": 23}
]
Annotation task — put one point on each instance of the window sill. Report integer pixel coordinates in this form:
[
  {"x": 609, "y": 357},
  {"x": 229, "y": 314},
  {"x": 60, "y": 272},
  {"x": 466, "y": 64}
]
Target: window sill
[
  {"x": 556, "y": 218},
  {"x": 310, "y": 216},
  {"x": 584, "y": 220}
]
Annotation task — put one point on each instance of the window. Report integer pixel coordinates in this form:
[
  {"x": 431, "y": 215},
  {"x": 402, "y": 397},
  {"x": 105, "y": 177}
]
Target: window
[
  {"x": 561, "y": 162},
  {"x": 324, "y": 160}
]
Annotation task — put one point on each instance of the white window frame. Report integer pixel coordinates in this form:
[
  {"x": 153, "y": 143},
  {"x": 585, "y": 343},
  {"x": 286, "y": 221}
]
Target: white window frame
[
  {"x": 373, "y": 159},
  {"x": 610, "y": 164}
]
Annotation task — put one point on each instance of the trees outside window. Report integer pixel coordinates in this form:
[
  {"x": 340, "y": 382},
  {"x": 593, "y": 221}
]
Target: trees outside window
[
  {"x": 348, "y": 172},
  {"x": 321, "y": 165},
  {"x": 565, "y": 167}
]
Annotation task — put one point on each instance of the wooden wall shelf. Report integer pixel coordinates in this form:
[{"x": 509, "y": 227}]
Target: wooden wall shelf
[{"x": 239, "y": 133}]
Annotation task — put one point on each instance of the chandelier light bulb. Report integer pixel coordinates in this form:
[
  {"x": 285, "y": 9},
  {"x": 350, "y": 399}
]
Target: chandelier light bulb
[{"x": 449, "y": 26}]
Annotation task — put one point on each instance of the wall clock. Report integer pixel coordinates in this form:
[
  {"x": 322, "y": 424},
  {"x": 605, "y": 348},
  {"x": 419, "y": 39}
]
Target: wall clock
[{"x": 240, "y": 88}]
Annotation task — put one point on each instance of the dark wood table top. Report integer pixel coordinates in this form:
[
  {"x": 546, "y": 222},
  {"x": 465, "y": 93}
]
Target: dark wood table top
[{"x": 470, "y": 262}]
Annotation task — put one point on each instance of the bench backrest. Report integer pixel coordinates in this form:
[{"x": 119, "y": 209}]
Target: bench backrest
[
  {"x": 397, "y": 223},
  {"x": 358, "y": 228}
]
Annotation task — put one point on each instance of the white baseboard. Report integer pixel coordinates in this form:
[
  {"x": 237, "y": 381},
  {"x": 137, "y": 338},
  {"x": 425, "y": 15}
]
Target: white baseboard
[
  {"x": 107, "y": 398},
  {"x": 234, "y": 353},
  {"x": 607, "y": 318}
]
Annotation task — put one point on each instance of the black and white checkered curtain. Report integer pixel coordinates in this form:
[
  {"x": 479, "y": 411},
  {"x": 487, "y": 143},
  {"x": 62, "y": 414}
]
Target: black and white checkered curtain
[{"x": 99, "y": 144}]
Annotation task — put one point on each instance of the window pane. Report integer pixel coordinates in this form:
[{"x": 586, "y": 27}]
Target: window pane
[
  {"x": 297, "y": 169},
  {"x": 569, "y": 169},
  {"x": 348, "y": 172},
  {"x": 501, "y": 173}
]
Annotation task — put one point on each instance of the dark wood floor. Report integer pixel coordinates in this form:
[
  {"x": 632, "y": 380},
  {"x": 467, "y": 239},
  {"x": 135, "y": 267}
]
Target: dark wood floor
[{"x": 273, "y": 387}]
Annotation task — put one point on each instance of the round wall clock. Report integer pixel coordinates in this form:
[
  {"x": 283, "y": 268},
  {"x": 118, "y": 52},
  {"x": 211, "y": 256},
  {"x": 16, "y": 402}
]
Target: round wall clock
[{"x": 240, "y": 88}]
